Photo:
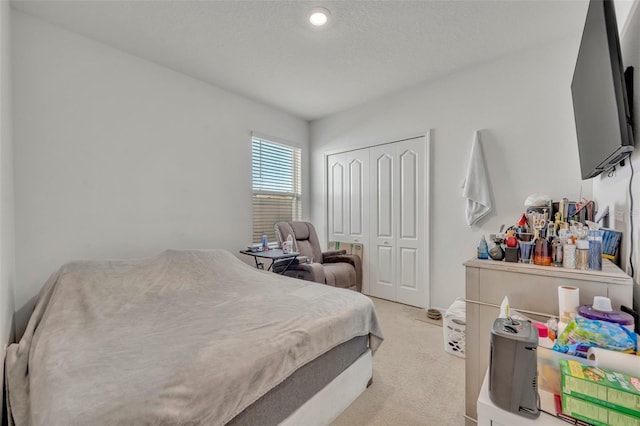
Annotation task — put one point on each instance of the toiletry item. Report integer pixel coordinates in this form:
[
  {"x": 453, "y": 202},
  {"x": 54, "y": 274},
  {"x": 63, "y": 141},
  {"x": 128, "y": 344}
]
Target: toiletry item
[
  {"x": 526, "y": 250},
  {"x": 582, "y": 334},
  {"x": 287, "y": 245},
  {"x": 602, "y": 303},
  {"x": 561, "y": 327},
  {"x": 511, "y": 240},
  {"x": 543, "y": 335},
  {"x": 601, "y": 310},
  {"x": 542, "y": 252},
  {"x": 595, "y": 249},
  {"x": 483, "y": 249},
  {"x": 569, "y": 255},
  {"x": 496, "y": 252},
  {"x": 582, "y": 254},
  {"x": 556, "y": 252},
  {"x": 552, "y": 326},
  {"x": 551, "y": 231},
  {"x": 568, "y": 302}
]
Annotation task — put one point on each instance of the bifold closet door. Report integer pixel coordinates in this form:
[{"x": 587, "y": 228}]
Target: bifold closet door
[
  {"x": 348, "y": 202},
  {"x": 398, "y": 221},
  {"x": 348, "y": 186}
]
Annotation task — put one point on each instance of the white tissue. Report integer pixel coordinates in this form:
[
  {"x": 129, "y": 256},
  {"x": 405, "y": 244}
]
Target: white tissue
[{"x": 504, "y": 308}]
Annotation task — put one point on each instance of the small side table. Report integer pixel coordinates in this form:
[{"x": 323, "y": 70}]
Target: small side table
[{"x": 273, "y": 255}]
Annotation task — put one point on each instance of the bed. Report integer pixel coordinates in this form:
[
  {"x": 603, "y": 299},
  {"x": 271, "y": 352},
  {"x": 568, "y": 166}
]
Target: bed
[{"x": 188, "y": 338}]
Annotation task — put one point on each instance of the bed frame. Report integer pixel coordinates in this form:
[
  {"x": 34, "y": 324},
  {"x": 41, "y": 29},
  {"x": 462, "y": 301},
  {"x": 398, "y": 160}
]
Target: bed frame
[
  {"x": 325, "y": 406},
  {"x": 317, "y": 392}
]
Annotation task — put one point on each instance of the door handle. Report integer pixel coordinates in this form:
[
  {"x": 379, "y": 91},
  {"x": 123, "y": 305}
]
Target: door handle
[
  {"x": 386, "y": 242},
  {"x": 355, "y": 240}
]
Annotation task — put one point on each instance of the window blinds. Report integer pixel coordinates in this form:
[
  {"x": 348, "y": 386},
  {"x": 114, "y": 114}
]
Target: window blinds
[{"x": 276, "y": 186}]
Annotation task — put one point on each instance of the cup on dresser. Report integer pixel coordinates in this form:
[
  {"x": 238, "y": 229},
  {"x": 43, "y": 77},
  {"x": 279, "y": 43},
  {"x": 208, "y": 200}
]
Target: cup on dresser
[{"x": 526, "y": 250}]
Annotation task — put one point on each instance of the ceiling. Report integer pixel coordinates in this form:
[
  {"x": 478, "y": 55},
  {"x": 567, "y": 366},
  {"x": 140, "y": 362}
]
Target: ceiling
[{"x": 266, "y": 50}]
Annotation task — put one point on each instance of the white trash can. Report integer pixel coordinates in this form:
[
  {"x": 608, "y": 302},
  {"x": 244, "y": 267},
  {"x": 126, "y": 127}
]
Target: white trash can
[{"x": 454, "y": 326}]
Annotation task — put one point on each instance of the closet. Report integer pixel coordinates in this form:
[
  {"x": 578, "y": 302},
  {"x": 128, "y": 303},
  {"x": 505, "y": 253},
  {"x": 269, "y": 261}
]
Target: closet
[{"x": 378, "y": 197}]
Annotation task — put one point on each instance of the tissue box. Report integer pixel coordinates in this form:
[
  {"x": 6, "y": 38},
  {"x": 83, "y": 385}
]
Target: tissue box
[
  {"x": 604, "y": 387},
  {"x": 595, "y": 414}
]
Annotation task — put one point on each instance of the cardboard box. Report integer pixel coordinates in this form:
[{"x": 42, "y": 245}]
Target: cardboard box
[
  {"x": 604, "y": 387},
  {"x": 550, "y": 378},
  {"x": 596, "y": 414},
  {"x": 351, "y": 248}
]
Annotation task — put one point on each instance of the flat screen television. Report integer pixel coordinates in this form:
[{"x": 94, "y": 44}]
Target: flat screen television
[{"x": 602, "y": 113}]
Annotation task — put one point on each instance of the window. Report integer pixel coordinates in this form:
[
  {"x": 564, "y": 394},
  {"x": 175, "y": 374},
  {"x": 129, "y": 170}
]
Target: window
[{"x": 276, "y": 186}]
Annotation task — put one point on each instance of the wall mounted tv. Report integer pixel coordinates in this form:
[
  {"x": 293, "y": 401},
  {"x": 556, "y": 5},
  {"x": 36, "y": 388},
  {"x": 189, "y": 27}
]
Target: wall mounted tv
[{"x": 601, "y": 108}]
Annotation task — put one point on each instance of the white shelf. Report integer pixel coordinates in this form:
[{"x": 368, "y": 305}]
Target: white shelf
[{"x": 490, "y": 415}]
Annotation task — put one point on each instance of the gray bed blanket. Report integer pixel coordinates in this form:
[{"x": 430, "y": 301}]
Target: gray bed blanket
[{"x": 185, "y": 338}]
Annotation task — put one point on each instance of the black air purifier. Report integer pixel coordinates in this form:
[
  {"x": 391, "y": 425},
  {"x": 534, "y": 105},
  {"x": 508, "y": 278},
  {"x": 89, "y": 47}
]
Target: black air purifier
[{"x": 513, "y": 367}]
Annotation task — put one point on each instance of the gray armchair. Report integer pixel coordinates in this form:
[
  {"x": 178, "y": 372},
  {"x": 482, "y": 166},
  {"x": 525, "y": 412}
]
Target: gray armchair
[{"x": 334, "y": 268}]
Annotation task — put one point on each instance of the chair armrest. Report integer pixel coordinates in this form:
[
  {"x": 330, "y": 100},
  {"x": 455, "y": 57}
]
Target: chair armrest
[
  {"x": 354, "y": 260},
  {"x": 307, "y": 271},
  {"x": 330, "y": 253},
  {"x": 349, "y": 258},
  {"x": 291, "y": 262}
]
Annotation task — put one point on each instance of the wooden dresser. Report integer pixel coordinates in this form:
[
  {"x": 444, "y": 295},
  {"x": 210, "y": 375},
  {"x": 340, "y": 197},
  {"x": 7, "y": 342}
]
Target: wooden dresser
[{"x": 532, "y": 290}]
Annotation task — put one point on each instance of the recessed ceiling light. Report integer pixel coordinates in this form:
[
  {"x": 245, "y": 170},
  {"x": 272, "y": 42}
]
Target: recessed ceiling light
[{"x": 319, "y": 16}]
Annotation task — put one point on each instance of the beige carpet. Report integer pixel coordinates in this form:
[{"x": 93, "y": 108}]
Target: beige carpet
[{"x": 415, "y": 382}]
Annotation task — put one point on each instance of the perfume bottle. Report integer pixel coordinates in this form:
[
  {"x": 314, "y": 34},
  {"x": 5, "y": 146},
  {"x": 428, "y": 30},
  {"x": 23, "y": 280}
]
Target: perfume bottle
[
  {"x": 483, "y": 249},
  {"x": 542, "y": 250}
]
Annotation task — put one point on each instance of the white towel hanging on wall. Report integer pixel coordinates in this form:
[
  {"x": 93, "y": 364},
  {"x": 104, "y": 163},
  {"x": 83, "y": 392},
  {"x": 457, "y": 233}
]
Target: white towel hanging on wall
[{"x": 476, "y": 185}]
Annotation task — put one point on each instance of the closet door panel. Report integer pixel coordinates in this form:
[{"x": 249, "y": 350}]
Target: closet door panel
[
  {"x": 357, "y": 208},
  {"x": 408, "y": 268},
  {"x": 347, "y": 192},
  {"x": 385, "y": 265},
  {"x": 384, "y": 278},
  {"x": 410, "y": 242},
  {"x": 408, "y": 195},
  {"x": 384, "y": 196},
  {"x": 383, "y": 212},
  {"x": 336, "y": 205},
  {"x": 355, "y": 197},
  {"x": 348, "y": 204}
]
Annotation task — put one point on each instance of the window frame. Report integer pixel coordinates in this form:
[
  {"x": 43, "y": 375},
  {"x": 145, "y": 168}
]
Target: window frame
[{"x": 295, "y": 197}]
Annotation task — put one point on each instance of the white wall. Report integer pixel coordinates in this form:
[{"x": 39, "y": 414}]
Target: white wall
[
  {"x": 523, "y": 105},
  {"x": 614, "y": 191},
  {"x": 116, "y": 156},
  {"x": 7, "y": 250}
]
